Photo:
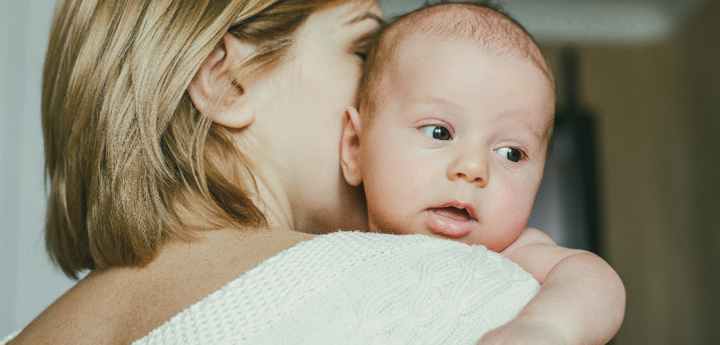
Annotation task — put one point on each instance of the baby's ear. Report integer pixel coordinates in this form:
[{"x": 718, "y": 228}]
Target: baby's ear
[
  {"x": 216, "y": 92},
  {"x": 350, "y": 147}
]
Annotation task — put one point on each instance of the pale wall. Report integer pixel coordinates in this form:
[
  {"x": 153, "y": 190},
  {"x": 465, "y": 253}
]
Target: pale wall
[
  {"x": 658, "y": 112},
  {"x": 28, "y": 282}
]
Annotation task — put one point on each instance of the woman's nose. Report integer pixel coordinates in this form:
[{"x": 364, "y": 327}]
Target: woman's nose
[{"x": 471, "y": 167}]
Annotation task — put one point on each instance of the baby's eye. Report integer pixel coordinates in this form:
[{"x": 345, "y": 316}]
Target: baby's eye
[
  {"x": 511, "y": 154},
  {"x": 436, "y": 132},
  {"x": 362, "y": 56}
]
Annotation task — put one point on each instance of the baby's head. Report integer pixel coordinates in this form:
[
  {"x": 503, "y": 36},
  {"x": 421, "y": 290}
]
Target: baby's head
[{"x": 456, "y": 111}]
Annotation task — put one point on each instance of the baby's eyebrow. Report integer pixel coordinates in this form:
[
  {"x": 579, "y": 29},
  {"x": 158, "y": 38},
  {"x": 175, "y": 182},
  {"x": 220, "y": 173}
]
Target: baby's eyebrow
[
  {"x": 441, "y": 100},
  {"x": 539, "y": 134}
]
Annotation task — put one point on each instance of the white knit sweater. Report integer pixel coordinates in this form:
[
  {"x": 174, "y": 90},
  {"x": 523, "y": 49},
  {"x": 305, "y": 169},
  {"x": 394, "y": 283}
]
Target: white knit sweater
[{"x": 359, "y": 288}]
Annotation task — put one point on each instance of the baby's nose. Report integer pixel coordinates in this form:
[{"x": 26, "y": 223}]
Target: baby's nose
[{"x": 472, "y": 168}]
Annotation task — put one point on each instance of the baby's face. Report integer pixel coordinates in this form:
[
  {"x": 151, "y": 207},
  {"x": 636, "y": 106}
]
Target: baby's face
[{"x": 457, "y": 145}]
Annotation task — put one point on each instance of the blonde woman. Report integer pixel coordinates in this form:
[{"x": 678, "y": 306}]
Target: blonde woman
[
  {"x": 192, "y": 149},
  {"x": 187, "y": 142}
]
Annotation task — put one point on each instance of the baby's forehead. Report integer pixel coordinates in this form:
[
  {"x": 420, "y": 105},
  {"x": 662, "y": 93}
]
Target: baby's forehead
[{"x": 467, "y": 23}]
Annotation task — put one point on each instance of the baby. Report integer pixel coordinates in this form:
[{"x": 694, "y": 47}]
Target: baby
[{"x": 455, "y": 114}]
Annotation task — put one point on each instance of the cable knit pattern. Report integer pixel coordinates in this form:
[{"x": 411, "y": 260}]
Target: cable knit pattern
[{"x": 359, "y": 288}]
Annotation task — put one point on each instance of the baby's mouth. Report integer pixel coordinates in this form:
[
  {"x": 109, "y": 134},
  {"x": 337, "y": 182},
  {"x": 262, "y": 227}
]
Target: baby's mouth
[
  {"x": 450, "y": 221},
  {"x": 459, "y": 214}
]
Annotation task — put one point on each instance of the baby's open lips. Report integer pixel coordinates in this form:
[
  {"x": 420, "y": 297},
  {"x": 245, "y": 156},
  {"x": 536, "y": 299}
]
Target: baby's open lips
[
  {"x": 454, "y": 220},
  {"x": 452, "y": 212}
]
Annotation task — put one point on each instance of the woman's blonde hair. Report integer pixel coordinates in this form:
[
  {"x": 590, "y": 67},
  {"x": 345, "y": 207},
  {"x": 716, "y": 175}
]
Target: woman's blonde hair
[{"x": 124, "y": 145}]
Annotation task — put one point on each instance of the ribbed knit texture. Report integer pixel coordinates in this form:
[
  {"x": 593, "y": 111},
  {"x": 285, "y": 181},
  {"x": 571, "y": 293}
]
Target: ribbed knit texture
[{"x": 359, "y": 288}]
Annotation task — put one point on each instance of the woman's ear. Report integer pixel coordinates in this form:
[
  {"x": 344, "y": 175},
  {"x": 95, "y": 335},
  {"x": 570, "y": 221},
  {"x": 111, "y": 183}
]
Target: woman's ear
[
  {"x": 350, "y": 147},
  {"x": 207, "y": 89}
]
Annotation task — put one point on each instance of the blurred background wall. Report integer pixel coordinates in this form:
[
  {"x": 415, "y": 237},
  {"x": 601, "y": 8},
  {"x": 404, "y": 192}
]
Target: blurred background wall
[
  {"x": 657, "y": 110},
  {"x": 649, "y": 73},
  {"x": 28, "y": 282}
]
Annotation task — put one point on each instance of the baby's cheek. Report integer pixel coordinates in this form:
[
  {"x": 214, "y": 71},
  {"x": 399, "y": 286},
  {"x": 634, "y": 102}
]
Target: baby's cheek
[
  {"x": 390, "y": 197},
  {"x": 387, "y": 212},
  {"x": 383, "y": 210},
  {"x": 506, "y": 238},
  {"x": 504, "y": 229}
]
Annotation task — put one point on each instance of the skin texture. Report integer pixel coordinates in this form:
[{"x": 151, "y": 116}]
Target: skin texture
[
  {"x": 299, "y": 104},
  {"x": 495, "y": 109}
]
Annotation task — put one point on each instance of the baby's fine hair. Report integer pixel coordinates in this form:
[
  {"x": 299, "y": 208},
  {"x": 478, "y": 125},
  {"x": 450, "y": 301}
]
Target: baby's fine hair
[{"x": 480, "y": 22}]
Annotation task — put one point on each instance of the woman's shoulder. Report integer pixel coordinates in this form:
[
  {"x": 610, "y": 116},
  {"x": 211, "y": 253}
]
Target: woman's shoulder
[
  {"x": 421, "y": 253},
  {"x": 326, "y": 285},
  {"x": 409, "y": 248},
  {"x": 370, "y": 242}
]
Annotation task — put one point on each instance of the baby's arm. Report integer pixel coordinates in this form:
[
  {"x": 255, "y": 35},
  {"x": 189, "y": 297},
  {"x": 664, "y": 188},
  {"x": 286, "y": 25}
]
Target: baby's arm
[{"x": 581, "y": 299}]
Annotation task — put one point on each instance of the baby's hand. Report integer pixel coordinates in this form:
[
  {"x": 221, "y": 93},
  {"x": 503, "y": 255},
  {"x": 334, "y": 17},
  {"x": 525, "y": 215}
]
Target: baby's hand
[
  {"x": 581, "y": 298},
  {"x": 522, "y": 331}
]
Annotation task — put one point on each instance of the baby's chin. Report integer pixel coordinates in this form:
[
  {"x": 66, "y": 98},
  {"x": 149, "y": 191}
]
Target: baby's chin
[
  {"x": 497, "y": 242},
  {"x": 437, "y": 224},
  {"x": 418, "y": 231},
  {"x": 397, "y": 230}
]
